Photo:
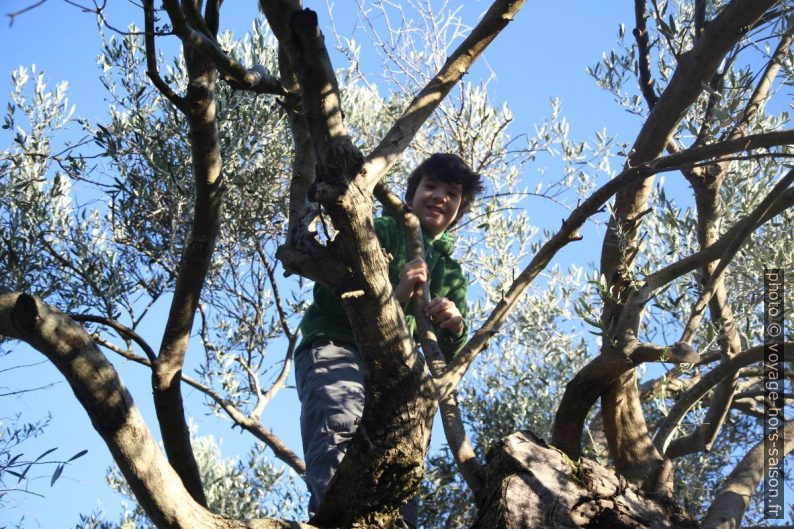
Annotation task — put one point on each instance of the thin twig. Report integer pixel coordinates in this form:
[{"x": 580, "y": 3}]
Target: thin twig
[
  {"x": 12, "y": 16},
  {"x": 253, "y": 426},
  {"x": 151, "y": 59},
  {"x": 122, "y": 329}
]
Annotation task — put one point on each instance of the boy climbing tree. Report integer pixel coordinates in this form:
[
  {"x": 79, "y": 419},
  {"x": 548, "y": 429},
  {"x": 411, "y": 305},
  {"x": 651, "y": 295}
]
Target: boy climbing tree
[{"x": 330, "y": 374}]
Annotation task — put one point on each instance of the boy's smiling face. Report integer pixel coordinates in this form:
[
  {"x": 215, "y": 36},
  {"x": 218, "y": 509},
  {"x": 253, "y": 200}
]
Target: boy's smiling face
[{"x": 436, "y": 204}]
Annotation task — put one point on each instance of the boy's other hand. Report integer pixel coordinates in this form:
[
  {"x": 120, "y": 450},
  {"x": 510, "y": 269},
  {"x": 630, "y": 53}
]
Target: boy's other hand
[
  {"x": 414, "y": 273},
  {"x": 445, "y": 315}
]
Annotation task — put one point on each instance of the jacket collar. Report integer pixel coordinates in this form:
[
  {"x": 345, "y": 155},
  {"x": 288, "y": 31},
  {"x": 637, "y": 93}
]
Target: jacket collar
[{"x": 443, "y": 245}]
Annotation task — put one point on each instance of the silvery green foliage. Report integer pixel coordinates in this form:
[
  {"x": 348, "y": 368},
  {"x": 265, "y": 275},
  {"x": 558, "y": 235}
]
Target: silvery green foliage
[
  {"x": 116, "y": 249},
  {"x": 239, "y": 487},
  {"x": 39, "y": 212},
  {"x": 669, "y": 230}
]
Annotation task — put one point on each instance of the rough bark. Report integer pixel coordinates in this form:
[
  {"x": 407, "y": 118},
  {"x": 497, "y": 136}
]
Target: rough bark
[
  {"x": 533, "y": 486},
  {"x": 384, "y": 461}
]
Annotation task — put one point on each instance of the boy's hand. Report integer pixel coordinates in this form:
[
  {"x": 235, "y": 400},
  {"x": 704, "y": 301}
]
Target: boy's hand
[
  {"x": 414, "y": 273},
  {"x": 445, "y": 315}
]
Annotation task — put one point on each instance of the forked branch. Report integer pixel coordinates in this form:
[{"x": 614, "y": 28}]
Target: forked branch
[
  {"x": 569, "y": 232},
  {"x": 256, "y": 79},
  {"x": 690, "y": 397}
]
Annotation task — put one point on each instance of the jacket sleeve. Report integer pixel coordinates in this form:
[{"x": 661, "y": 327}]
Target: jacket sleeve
[{"x": 456, "y": 287}]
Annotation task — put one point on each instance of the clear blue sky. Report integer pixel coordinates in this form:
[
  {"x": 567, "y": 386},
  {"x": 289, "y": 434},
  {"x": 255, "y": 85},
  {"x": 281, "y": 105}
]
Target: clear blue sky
[{"x": 542, "y": 54}]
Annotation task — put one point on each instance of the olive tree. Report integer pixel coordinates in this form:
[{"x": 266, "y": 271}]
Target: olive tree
[{"x": 285, "y": 169}]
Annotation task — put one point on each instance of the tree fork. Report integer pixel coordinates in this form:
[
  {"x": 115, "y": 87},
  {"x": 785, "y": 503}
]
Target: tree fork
[{"x": 694, "y": 67}]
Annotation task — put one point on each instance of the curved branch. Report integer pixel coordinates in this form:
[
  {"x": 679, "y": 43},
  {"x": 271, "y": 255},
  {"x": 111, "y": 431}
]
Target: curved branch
[
  {"x": 122, "y": 329},
  {"x": 679, "y": 353},
  {"x": 193, "y": 268},
  {"x": 151, "y": 59},
  {"x": 708, "y": 381},
  {"x": 257, "y": 78},
  {"x": 733, "y": 497},
  {"x": 249, "y": 423},
  {"x": 625, "y": 427}
]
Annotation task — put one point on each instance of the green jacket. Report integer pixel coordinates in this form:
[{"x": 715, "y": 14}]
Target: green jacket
[{"x": 325, "y": 318}]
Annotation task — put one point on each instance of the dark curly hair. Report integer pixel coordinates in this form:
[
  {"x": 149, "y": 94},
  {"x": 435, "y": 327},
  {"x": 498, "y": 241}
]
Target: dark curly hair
[{"x": 451, "y": 169}]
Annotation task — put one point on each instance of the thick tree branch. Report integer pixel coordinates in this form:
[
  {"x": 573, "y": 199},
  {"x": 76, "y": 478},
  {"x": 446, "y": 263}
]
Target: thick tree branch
[
  {"x": 706, "y": 184},
  {"x": 694, "y": 67},
  {"x": 709, "y": 380},
  {"x": 113, "y": 414},
  {"x": 394, "y": 429},
  {"x": 625, "y": 425},
  {"x": 733, "y": 497},
  {"x": 679, "y": 353},
  {"x": 499, "y": 14},
  {"x": 193, "y": 268},
  {"x": 301, "y": 253},
  {"x": 592, "y": 380},
  {"x": 212, "y": 15},
  {"x": 644, "y": 54}
]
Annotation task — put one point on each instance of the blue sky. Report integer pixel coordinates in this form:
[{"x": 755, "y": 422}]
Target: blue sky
[{"x": 542, "y": 54}]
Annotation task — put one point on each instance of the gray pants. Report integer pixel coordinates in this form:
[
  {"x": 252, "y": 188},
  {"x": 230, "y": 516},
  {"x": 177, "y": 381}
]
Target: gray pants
[{"x": 330, "y": 380}]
